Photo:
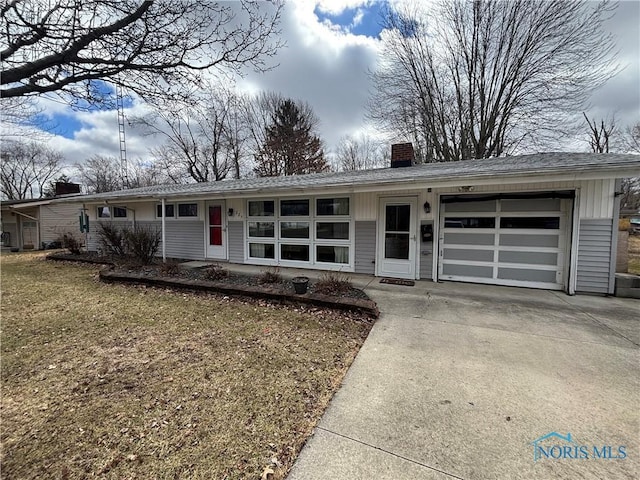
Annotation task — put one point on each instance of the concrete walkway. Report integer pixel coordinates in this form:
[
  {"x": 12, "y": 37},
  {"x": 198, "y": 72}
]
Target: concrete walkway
[{"x": 456, "y": 381}]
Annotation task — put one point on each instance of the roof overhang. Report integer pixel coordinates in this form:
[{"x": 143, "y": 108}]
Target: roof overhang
[{"x": 525, "y": 169}]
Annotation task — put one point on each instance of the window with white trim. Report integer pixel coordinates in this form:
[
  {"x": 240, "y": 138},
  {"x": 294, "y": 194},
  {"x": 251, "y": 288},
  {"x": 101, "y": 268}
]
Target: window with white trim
[
  {"x": 301, "y": 232},
  {"x": 261, "y": 230},
  {"x": 187, "y": 210},
  {"x": 108, "y": 211},
  {"x": 333, "y": 231},
  {"x": 169, "y": 210}
]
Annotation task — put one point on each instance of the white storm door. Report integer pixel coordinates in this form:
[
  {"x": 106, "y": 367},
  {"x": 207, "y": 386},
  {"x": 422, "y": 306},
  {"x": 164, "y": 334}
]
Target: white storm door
[
  {"x": 216, "y": 231},
  {"x": 397, "y": 238}
]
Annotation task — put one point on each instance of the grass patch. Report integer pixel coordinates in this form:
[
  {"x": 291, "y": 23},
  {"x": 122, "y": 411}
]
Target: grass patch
[
  {"x": 133, "y": 382},
  {"x": 634, "y": 254}
]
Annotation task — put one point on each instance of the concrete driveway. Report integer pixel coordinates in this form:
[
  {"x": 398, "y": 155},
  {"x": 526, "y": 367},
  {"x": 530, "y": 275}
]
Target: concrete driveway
[{"x": 456, "y": 381}]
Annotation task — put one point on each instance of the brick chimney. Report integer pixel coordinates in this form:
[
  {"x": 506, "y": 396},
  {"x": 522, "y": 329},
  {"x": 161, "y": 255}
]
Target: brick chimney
[
  {"x": 65, "y": 188},
  {"x": 402, "y": 155}
]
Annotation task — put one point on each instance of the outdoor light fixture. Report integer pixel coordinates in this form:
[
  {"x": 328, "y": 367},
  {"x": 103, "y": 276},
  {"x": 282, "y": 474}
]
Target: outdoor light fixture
[
  {"x": 231, "y": 212},
  {"x": 427, "y": 207}
]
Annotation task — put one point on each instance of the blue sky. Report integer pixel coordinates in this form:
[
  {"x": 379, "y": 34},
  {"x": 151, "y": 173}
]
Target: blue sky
[
  {"x": 331, "y": 46},
  {"x": 363, "y": 20}
]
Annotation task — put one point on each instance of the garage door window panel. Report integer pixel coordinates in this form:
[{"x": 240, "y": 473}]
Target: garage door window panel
[
  {"x": 528, "y": 240},
  {"x": 529, "y": 205},
  {"x": 543, "y": 223},
  {"x": 468, "y": 255},
  {"x": 468, "y": 238},
  {"x": 470, "y": 222},
  {"x": 531, "y": 258},
  {"x": 476, "y": 206},
  {"x": 477, "y": 271},
  {"x": 526, "y": 275}
]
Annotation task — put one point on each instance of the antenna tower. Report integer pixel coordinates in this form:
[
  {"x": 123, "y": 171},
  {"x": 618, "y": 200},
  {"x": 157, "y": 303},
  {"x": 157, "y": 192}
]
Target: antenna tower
[{"x": 122, "y": 137}]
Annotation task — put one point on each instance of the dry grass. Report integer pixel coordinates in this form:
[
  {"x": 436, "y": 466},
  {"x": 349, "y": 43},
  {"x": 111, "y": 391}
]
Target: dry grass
[
  {"x": 116, "y": 381},
  {"x": 634, "y": 254}
]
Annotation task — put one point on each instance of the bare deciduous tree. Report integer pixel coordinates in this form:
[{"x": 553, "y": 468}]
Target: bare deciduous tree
[
  {"x": 631, "y": 139},
  {"x": 153, "y": 48},
  {"x": 100, "y": 174},
  {"x": 475, "y": 79},
  {"x": 26, "y": 169},
  {"x": 601, "y": 133},
  {"x": 359, "y": 153},
  {"x": 205, "y": 142}
]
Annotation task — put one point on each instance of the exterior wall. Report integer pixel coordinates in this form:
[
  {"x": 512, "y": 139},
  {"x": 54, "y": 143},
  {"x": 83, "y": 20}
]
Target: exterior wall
[
  {"x": 594, "y": 255},
  {"x": 57, "y": 219},
  {"x": 185, "y": 239},
  {"x": 235, "y": 240},
  {"x": 92, "y": 239},
  {"x": 10, "y": 226},
  {"x": 238, "y": 206},
  {"x": 365, "y": 246}
]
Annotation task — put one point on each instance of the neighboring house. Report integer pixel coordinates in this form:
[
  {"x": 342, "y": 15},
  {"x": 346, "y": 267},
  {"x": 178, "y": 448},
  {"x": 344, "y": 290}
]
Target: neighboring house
[
  {"x": 541, "y": 221},
  {"x": 26, "y": 224}
]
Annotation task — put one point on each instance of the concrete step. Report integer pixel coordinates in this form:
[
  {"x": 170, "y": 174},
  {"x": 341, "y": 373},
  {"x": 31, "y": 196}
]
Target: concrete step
[{"x": 627, "y": 285}]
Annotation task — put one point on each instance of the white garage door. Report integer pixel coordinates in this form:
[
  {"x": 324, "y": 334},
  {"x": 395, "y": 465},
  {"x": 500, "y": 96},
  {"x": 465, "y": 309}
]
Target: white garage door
[{"x": 505, "y": 241}]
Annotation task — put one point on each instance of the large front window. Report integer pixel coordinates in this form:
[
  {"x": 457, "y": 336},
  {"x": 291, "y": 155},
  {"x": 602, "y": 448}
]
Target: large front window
[{"x": 301, "y": 232}]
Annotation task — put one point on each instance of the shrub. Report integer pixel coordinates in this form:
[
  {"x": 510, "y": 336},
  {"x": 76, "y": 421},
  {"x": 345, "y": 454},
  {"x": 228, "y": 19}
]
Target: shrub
[
  {"x": 333, "y": 283},
  {"x": 112, "y": 239},
  {"x": 170, "y": 268},
  {"x": 624, "y": 224},
  {"x": 142, "y": 243},
  {"x": 271, "y": 275},
  {"x": 215, "y": 272},
  {"x": 71, "y": 243}
]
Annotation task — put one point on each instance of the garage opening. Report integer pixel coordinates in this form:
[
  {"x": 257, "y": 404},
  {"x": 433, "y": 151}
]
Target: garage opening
[{"x": 519, "y": 239}]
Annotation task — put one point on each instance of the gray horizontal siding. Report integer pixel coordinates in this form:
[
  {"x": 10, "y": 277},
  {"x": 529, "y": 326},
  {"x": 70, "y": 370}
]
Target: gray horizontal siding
[
  {"x": 185, "y": 239},
  {"x": 57, "y": 219},
  {"x": 594, "y": 256},
  {"x": 365, "y": 243},
  {"x": 235, "y": 237}
]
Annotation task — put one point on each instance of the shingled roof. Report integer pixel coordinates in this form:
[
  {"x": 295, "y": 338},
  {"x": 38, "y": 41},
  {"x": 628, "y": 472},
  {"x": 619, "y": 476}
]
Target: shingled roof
[{"x": 431, "y": 173}]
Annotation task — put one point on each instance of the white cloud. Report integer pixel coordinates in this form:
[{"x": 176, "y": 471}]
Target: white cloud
[
  {"x": 336, "y": 7},
  {"x": 326, "y": 65},
  {"x": 323, "y": 66}
]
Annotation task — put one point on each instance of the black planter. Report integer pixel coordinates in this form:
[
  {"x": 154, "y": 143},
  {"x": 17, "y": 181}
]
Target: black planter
[{"x": 300, "y": 284}]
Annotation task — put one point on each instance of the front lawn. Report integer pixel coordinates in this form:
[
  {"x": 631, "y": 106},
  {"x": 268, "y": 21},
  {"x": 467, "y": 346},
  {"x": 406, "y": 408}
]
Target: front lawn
[{"x": 115, "y": 381}]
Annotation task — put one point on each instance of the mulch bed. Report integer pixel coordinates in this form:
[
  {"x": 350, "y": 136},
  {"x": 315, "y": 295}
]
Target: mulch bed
[{"x": 233, "y": 284}]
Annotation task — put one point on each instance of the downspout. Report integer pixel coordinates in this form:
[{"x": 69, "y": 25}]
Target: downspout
[
  {"x": 614, "y": 236},
  {"x": 83, "y": 212},
  {"x": 164, "y": 249}
]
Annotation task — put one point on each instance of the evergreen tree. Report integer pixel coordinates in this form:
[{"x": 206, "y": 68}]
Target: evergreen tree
[{"x": 291, "y": 146}]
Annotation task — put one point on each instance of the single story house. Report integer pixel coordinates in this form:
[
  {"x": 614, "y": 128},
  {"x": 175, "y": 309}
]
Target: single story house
[
  {"x": 546, "y": 220},
  {"x": 27, "y": 224}
]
